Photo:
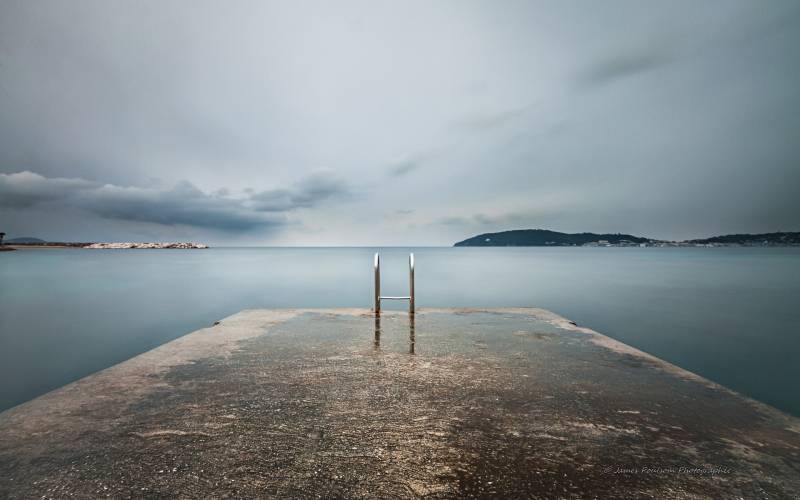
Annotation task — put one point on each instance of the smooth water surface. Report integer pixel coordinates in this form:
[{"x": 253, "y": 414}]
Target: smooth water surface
[{"x": 729, "y": 314}]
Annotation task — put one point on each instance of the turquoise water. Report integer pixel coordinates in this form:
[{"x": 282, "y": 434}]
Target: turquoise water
[{"x": 729, "y": 314}]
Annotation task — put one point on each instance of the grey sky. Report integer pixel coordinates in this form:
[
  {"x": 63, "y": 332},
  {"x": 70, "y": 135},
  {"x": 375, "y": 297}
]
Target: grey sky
[{"x": 420, "y": 123}]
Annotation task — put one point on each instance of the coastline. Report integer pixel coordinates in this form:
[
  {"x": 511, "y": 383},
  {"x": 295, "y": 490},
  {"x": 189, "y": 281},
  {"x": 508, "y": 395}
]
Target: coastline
[
  {"x": 107, "y": 246},
  {"x": 39, "y": 247}
]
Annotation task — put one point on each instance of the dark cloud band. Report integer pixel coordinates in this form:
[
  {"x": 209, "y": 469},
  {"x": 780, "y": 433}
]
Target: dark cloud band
[{"x": 182, "y": 204}]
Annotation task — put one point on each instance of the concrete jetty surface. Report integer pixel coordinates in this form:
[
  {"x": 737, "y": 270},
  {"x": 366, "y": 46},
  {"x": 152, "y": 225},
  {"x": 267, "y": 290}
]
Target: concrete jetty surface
[{"x": 456, "y": 403}]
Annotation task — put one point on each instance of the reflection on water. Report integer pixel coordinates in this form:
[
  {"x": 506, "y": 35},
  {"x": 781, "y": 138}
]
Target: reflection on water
[
  {"x": 377, "y": 332},
  {"x": 729, "y": 314},
  {"x": 411, "y": 334}
]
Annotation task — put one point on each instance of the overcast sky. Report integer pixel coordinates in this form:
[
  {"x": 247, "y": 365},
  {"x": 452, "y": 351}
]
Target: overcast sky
[{"x": 396, "y": 123}]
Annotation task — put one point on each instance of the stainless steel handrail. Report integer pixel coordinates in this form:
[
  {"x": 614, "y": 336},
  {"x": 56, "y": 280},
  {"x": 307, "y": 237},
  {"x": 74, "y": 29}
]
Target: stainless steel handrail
[
  {"x": 377, "y": 272},
  {"x": 378, "y": 297}
]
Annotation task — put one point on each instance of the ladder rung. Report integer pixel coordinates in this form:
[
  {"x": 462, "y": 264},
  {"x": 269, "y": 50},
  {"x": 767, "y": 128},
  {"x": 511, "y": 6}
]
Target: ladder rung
[{"x": 410, "y": 297}]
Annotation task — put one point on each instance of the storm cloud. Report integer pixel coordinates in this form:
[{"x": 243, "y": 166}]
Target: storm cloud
[
  {"x": 309, "y": 192},
  {"x": 26, "y": 189},
  {"x": 181, "y": 204},
  {"x": 362, "y": 122}
]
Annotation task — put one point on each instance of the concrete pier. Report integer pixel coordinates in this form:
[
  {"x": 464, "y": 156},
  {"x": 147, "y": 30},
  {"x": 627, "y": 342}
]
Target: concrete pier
[{"x": 456, "y": 403}]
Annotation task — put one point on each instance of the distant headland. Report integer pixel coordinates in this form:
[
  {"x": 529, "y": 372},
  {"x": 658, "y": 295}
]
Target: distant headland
[
  {"x": 28, "y": 242},
  {"x": 546, "y": 238}
]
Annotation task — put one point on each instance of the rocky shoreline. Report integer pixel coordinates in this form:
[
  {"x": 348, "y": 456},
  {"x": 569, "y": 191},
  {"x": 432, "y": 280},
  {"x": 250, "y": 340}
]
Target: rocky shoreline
[
  {"x": 130, "y": 245},
  {"x": 104, "y": 246}
]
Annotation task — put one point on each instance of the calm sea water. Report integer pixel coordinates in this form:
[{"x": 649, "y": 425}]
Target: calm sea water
[{"x": 729, "y": 314}]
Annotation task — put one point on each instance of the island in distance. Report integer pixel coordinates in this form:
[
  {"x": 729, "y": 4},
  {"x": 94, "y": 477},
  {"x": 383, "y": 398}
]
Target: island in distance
[{"x": 546, "y": 238}]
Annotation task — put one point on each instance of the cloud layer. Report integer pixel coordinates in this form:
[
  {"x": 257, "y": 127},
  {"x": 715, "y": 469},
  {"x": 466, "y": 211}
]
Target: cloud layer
[
  {"x": 181, "y": 204},
  {"x": 433, "y": 120}
]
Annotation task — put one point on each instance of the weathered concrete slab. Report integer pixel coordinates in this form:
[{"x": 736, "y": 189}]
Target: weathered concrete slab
[{"x": 460, "y": 403}]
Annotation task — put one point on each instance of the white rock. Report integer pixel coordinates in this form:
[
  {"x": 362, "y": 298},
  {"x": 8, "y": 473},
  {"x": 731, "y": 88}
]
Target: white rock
[{"x": 126, "y": 245}]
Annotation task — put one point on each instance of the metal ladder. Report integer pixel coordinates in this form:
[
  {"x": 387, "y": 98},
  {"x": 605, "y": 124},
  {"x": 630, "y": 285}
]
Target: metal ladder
[{"x": 378, "y": 297}]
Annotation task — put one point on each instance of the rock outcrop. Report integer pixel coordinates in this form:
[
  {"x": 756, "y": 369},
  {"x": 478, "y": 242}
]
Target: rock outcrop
[{"x": 127, "y": 245}]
